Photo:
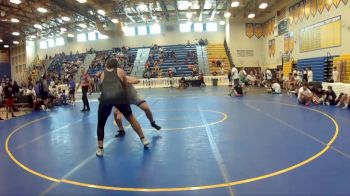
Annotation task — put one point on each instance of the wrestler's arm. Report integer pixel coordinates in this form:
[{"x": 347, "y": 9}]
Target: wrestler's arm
[{"x": 132, "y": 80}]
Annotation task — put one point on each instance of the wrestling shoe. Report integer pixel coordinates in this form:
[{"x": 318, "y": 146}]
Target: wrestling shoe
[
  {"x": 154, "y": 125},
  {"x": 145, "y": 141},
  {"x": 121, "y": 133},
  {"x": 99, "y": 152}
]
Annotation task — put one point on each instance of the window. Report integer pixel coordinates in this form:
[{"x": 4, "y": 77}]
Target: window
[
  {"x": 155, "y": 29},
  {"x": 43, "y": 45},
  {"x": 92, "y": 36},
  {"x": 212, "y": 27},
  {"x": 51, "y": 43},
  {"x": 198, "y": 27},
  {"x": 129, "y": 31},
  {"x": 81, "y": 37},
  {"x": 59, "y": 41},
  {"x": 186, "y": 27},
  {"x": 101, "y": 36},
  {"x": 142, "y": 30}
]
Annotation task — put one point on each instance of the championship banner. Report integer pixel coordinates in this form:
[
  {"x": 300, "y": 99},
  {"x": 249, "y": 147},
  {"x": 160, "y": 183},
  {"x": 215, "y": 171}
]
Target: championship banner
[
  {"x": 273, "y": 21},
  {"x": 296, "y": 13},
  {"x": 290, "y": 15},
  {"x": 281, "y": 14},
  {"x": 345, "y": 2},
  {"x": 301, "y": 10},
  {"x": 320, "y": 5},
  {"x": 4, "y": 56},
  {"x": 249, "y": 30},
  {"x": 258, "y": 31},
  {"x": 286, "y": 43},
  {"x": 273, "y": 47},
  {"x": 307, "y": 9},
  {"x": 270, "y": 47},
  {"x": 336, "y": 3},
  {"x": 313, "y": 7},
  {"x": 291, "y": 41},
  {"x": 329, "y": 4}
]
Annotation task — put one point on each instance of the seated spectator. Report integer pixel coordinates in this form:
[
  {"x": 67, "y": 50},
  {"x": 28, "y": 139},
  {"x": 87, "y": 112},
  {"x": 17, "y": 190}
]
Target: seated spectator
[
  {"x": 31, "y": 92},
  {"x": 330, "y": 97},
  {"x": 251, "y": 79},
  {"x": 218, "y": 63},
  {"x": 304, "y": 95},
  {"x": 222, "y": 71},
  {"x": 275, "y": 88},
  {"x": 318, "y": 95},
  {"x": 343, "y": 100}
]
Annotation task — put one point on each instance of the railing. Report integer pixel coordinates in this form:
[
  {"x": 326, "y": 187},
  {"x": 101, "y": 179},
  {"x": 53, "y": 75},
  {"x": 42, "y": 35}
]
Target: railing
[{"x": 228, "y": 53}]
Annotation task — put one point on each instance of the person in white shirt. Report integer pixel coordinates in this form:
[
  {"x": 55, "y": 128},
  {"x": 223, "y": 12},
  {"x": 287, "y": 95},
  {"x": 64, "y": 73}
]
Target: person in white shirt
[
  {"x": 235, "y": 75},
  {"x": 335, "y": 75},
  {"x": 276, "y": 88},
  {"x": 305, "y": 95},
  {"x": 310, "y": 75}
]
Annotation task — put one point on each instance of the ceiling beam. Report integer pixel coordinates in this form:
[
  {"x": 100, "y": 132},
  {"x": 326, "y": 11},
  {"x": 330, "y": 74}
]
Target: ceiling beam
[{"x": 176, "y": 9}]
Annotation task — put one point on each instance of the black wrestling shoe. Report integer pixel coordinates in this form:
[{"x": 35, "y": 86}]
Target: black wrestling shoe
[
  {"x": 154, "y": 125},
  {"x": 121, "y": 133}
]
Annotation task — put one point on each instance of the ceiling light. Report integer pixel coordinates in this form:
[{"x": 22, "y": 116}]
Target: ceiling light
[
  {"x": 15, "y": 42},
  {"x": 33, "y": 36},
  {"x": 1, "y": 40},
  {"x": 251, "y": 15},
  {"x": 82, "y": 25},
  {"x": 15, "y": 1},
  {"x": 6, "y": 46},
  {"x": 189, "y": 15},
  {"x": 263, "y": 6},
  {"x": 15, "y": 33},
  {"x": 14, "y": 20},
  {"x": 65, "y": 18},
  {"x": 102, "y": 12},
  {"x": 70, "y": 35},
  {"x": 63, "y": 29},
  {"x": 115, "y": 20},
  {"x": 81, "y": 1},
  {"x": 143, "y": 7},
  {"x": 38, "y": 26},
  {"x": 42, "y": 10},
  {"x": 222, "y": 22},
  {"x": 227, "y": 14},
  {"x": 235, "y": 4}
]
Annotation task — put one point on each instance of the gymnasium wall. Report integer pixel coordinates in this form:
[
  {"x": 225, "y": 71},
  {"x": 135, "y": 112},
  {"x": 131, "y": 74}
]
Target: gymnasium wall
[
  {"x": 165, "y": 38},
  {"x": 239, "y": 41},
  {"x": 5, "y": 66},
  {"x": 343, "y": 10}
]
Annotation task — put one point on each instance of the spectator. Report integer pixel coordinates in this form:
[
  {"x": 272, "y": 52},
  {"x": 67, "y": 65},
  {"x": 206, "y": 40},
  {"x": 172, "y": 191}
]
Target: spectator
[
  {"x": 310, "y": 75},
  {"x": 9, "y": 98},
  {"x": 335, "y": 75},
  {"x": 330, "y": 97},
  {"x": 304, "y": 95}
]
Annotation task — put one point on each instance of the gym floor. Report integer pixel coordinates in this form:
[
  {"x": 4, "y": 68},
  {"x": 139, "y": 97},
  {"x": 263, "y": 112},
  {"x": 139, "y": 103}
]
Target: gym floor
[{"x": 211, "y": 144}]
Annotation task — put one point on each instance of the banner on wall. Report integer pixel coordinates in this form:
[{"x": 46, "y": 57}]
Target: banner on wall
[
  {"x": 281, "y": 14},
  {"x": 313, "y": 7},
  {"x": 336, "y": 3},
  {"x": 291, "y": 42},
  {"x": 270, "y": 48},
  {"x": 4, "y": 56},
  {"x": 345, "y": 2},
  {"x": 290, "y": 15},
  {"x": 286, "y": 43},
  {"x": 307, "y": 8},
  {"x": 250, "y": 30},
  {"x": 301, "y": 10},
  {"x": 296, "y": 13},
  {"x": 320, "y": 5},
  {"x": 258, "y": 31},
  {"x": 329, "y": 4},
  {"x": 273, "y": 47}
]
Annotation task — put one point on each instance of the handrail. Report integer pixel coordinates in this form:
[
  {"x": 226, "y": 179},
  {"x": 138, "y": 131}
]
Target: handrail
[{"x": 228, "y": 53}]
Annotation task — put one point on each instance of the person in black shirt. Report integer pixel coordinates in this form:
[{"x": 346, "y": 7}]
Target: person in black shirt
[
  {"x": 330, "y": 96},
  {"x": 319, "y": 95},
  {"x": 9, "y": 96},
  {"x": 15, "y": 88}
]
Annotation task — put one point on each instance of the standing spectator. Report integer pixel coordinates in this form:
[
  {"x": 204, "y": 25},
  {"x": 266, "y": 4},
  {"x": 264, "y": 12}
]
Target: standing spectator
[
  {"x": 9, "y": 97},
  {"x": 84, "y": 83},
  {"x": 310, "y": 75},
  {"x": 235, "y": 76},
  {"x": 15, "y": 88},
  {"x": 71, "y": 90},
  {"x": 335, "y": 75},
  {"x": 268, "y": 77}
]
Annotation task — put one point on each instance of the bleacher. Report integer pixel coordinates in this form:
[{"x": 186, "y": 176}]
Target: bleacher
[
  {"x": 343, "y": 66},
  {"x": 128, "y": 70},
  {"x": 320, "y": 66},
  {"x": 182, "y": 63},
  {"x": 217, "y": 52},
  {"x": 56, "y": 64}
]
